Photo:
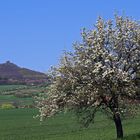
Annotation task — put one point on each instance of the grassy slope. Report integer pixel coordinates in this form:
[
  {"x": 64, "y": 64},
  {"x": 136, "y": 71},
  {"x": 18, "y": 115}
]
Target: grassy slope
[
  {"x": 11, "y": 87},
  {"x": 11, "y": 98},
  {"x": 10, "y": 90},
  {"x": 18, "y": 124}
]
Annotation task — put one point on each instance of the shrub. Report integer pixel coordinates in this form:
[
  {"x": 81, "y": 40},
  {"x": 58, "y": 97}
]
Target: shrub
[{"x": 7, "y": 106}]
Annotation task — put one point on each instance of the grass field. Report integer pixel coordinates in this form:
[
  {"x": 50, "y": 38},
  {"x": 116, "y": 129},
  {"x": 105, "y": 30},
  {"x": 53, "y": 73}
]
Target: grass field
[
  {"x": 11, "y": 87},
  {"x": 11, "y": 98},
  {"x": 19, "y": 94},
  {"x": 18, "y": 124}
]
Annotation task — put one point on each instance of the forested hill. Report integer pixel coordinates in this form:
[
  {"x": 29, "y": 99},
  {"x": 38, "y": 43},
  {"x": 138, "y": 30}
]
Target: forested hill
[{"x": 10, "y": 73}]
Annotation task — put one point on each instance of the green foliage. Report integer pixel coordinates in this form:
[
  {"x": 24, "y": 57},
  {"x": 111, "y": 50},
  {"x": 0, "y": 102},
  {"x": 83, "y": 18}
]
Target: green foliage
[{"x": 7, "y": 106}]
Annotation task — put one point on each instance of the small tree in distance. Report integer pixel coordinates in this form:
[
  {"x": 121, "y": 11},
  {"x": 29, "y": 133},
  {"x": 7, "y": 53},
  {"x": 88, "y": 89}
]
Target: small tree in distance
[{"x": 99, "y": 74}]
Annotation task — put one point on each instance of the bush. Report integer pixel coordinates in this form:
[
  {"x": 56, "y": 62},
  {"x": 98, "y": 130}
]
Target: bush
[{"x": 7, "y": 106}]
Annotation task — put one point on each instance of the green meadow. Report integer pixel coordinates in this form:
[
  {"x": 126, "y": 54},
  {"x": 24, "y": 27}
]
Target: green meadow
[{"x": 19, "y": 124}]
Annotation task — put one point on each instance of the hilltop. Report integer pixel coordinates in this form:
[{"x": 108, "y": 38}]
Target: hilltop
[{"x": 10, "y": 73}]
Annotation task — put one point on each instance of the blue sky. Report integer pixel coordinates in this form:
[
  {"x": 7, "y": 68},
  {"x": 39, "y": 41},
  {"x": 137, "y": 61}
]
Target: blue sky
[{"x": 34, "y": 33}]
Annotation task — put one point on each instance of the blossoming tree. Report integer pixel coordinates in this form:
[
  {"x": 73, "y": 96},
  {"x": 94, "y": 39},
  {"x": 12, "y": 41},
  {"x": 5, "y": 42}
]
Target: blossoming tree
[{"x": 99, "y": 74}]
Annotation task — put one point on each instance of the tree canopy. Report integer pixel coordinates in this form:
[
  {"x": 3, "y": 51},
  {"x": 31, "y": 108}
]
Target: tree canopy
[{"x": 99, "y": 74}]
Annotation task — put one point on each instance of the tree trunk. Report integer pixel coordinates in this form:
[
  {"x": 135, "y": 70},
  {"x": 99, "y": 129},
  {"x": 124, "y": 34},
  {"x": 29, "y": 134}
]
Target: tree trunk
[{"x": 118, "y": 125}]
